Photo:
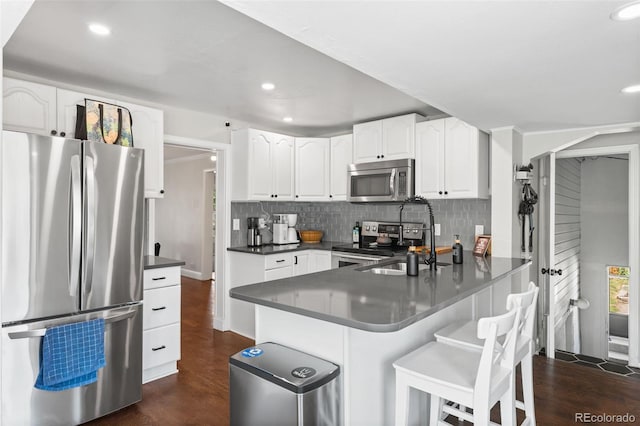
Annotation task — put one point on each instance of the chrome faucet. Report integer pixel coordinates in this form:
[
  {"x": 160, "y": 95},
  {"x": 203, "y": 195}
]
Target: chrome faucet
[{"x": 432, "y": 259}]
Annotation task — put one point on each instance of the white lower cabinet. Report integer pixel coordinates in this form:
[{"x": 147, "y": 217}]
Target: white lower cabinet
[
  {"x": 161, "y": 323},
  {"x": 247, "y": 268}
]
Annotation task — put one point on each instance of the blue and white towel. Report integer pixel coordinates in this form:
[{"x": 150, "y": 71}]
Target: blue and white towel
[{"x": 71, "y": 355}]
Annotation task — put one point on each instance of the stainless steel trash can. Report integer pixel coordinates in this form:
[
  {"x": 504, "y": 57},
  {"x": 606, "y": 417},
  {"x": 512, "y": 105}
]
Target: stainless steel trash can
[{"x": 271, "y": 384}]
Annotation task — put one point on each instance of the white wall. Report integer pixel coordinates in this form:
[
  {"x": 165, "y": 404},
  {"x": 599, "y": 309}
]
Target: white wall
[
  {"x": 180, "y": 214},
  {"x": 604, "y": 213}
]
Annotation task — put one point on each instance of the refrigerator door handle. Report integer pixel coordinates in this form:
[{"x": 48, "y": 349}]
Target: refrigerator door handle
[
  {"x": 76, "y": 225},
  {"x": 41, "y": 331},
  {"x": 90, "y": 228}
]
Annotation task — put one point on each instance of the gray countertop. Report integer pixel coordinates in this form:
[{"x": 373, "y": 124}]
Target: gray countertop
[
  {"x": 275, "y": 249},
  {"x": 152, "y": 262},
  {"x": 379, "y": 303}
]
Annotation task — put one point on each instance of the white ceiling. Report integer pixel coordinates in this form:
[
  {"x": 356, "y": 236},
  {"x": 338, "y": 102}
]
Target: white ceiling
[
  {"x": 200, "y": 55},
  {"x": 174, "y": 152},
  {"x": 537, "y": 65}
]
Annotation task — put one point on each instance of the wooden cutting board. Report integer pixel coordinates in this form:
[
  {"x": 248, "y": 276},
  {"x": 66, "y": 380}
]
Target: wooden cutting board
[{"x": 439, "y": 249}]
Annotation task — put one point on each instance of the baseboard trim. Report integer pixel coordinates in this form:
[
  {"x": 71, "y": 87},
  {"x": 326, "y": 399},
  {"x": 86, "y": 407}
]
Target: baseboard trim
[
  {"x": 193, "y": 274},
  {"x": 218, "y": 324}
]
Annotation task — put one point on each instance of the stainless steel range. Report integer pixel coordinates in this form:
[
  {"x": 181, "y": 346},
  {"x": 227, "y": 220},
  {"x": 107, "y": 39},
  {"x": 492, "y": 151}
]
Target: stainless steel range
[{"x": 379, "y": 240}]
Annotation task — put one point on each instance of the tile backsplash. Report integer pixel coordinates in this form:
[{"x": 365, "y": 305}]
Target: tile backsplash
[{"x": 336, "y": 219}]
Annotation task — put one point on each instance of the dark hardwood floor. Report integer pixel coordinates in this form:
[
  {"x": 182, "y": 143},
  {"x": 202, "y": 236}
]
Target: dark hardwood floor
[{"x": 199, "y": 393}]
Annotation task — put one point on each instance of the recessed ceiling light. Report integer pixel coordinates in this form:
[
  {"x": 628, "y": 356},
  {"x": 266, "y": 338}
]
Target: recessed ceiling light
[
  {"x": 631, "y": 89},
  {"x": 99, "y": 29},
  {"x": 287, "y": 119},
  {"x": 268, "y": 86},
  {"x": 627, "y": 12}
]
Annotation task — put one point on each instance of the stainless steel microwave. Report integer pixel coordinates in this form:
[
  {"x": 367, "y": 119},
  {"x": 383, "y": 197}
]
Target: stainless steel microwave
[{"x": 381, "y": 181}]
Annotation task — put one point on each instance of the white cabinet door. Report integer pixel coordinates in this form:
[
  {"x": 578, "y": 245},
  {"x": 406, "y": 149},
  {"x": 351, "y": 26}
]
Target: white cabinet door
[
  {"x": 460, "y": 159},
  {"x": 148, "y": 133},
  {"x": 282, "y": 155},
  {"x": 301, "y": 263},
  {"x": 367, "y": 142},
  {"x": 320, "y": 261},
  {"x": 67, "y": 112},
  {"x": 398, "y": 137},
  {"x": 312, "y": 167},
  {"x": 259, "y": 165},
  {"x": 29, "y": 107},
  {"x": 430, "y": 158},
  {"x": 341, "y": 157}
]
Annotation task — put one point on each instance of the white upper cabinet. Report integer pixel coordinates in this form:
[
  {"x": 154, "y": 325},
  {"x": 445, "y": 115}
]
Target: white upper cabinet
[
  {"x": 29, "y": 107},
  {"x": 367, "y": 142},
  {"x": 45, "y": 110},
  {"x": 341, "y": 157},
  {"x": 388, "y": 139},
  {"x": 398, "y": 137},
  {"x": 262, "y": 166},
  {"x": 147, "y": 125},
  {"x": 452, "y": 160},
  {"x": 282, "y": 160},
  {"x": 312, "y": 169}
]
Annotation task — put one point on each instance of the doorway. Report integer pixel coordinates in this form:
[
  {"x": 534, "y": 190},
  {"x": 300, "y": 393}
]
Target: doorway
[
  {"x": 222, "y": 152},
  {"x": 589, "y": 211}
]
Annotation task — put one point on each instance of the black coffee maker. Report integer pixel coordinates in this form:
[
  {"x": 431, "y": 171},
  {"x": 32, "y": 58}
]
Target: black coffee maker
[{"x": 254, "y": 239}]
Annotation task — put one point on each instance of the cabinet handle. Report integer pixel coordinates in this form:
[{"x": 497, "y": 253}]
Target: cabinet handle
[
  {"x": 377, "y": 156},
  {"x": 440, "y": 192},
  {"x": 159, "y": 309},
  {"x": 296, "y": 196},
  {"x": 63, "y": 134},
  {"x": 382, "y": 156},
  {"x": 446, "y": 192},
  {"x": 295, "y": 262},
  {"x": 275, "y": 196},
  {"x": 162, "y": 191},
  {"x": 280, "y": 261},
  {"x": 159, "y": 348},
  {"x": 53, "y": 133},
  {"x": 330, "y": 196},
  {"x": 158, "y": 278}
]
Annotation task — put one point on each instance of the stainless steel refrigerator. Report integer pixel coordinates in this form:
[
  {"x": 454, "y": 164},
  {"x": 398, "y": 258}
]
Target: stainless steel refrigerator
[{"x": 72, "y": 250}]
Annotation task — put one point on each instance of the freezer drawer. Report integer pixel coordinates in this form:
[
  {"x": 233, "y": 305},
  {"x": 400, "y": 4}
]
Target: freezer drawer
[{"x": 119, "y": 382}]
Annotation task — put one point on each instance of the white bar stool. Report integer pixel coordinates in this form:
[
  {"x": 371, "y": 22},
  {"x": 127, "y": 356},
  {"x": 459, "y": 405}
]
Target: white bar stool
[
  {"x": 465, "y": 376},
  {"x": 463, "y": 334}
]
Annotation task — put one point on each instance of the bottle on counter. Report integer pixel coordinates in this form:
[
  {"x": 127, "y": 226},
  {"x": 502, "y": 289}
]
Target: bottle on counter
[
  {"x": 412, "y": 262},
  {"x": 457, "y": 250},
  {"x": 356, "y": 233}
]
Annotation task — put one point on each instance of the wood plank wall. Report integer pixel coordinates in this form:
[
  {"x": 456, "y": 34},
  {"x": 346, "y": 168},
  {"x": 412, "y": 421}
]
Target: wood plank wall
[{"x": 567, "y": 250}]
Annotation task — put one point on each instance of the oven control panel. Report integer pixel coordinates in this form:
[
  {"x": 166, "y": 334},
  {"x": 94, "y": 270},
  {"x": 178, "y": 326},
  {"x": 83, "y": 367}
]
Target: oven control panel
[{"x": 411, "y": 230}]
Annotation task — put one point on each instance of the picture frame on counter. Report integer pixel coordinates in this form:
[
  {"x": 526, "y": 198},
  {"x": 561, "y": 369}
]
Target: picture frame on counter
[{"x": 481, "y": 248}]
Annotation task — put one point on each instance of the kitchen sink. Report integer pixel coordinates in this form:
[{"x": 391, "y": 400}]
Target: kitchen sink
[{"x": 398, "y": 268}]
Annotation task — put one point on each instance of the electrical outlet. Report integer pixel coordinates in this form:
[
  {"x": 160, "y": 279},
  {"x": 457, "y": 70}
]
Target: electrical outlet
[
  {"x": 479, "y": 230},
  {"x": 437, "y": 229},
  {"x": 236, "y": 224}
]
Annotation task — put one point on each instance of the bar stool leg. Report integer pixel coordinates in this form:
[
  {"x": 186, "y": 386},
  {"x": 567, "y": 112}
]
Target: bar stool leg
[
  {"x": 508, "y": 406},
  {"x": 402, "y": 401},
  {"x": 526, "y": 369}
]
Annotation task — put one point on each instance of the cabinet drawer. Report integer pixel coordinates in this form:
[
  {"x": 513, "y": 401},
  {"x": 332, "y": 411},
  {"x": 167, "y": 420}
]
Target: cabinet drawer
[
  {"x": 161, "y": 277},
  {"x": 278, "y": 261},
  {"x": 161, "y": 306},
  {"x": 160, "y": 345}
]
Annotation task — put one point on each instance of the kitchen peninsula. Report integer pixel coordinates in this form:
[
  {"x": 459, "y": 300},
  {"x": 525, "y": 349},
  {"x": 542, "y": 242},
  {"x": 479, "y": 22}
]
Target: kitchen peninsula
[{"x": 365, "y": 317}]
